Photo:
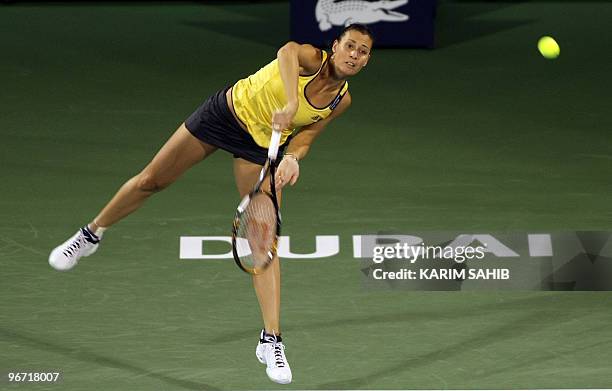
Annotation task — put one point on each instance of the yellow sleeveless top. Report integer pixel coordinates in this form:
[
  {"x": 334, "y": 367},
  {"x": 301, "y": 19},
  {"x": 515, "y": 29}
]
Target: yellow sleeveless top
[{"x": 256, "y": 97}]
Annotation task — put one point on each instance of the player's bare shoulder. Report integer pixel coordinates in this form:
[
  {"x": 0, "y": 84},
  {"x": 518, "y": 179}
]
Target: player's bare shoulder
[
  {"x": 310, "y": 58},
  {"x": 346, "y": 101}
]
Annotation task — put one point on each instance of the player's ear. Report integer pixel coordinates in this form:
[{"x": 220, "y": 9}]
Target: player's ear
[{"x": 334, "y": 46}]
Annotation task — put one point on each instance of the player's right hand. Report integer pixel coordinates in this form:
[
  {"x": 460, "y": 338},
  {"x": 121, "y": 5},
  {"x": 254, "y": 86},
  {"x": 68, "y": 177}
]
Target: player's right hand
[{"x": 282, "y": 119}]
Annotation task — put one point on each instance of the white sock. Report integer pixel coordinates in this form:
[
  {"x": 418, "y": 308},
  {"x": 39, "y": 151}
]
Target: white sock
[{"x": 99, "y": 231}]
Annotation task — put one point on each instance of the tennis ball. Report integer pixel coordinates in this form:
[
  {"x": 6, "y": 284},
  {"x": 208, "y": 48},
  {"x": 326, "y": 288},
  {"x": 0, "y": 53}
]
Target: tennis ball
[{"x": 548, "y": 47}]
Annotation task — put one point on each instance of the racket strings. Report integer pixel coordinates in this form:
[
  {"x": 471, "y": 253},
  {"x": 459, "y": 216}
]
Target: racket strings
[{"x": 256, "y": 234}]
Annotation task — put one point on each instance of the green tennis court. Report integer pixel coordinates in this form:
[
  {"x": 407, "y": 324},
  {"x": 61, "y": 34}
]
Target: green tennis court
[{"x": 479, "y": 134}]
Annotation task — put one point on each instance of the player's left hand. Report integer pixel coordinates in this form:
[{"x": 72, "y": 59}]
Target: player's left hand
[{"x": 287, "y": 172}]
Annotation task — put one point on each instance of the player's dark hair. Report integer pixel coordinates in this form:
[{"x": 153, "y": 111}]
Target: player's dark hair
[{"x": 363, "y": 29}]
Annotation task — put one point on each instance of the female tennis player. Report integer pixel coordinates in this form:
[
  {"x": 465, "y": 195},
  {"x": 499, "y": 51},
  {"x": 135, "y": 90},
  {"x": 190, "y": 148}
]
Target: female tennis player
[{"x": 299, "y": 93}]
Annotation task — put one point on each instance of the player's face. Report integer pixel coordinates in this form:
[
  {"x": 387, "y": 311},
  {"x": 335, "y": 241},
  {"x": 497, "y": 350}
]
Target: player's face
[{"x": 351, "y": 53}]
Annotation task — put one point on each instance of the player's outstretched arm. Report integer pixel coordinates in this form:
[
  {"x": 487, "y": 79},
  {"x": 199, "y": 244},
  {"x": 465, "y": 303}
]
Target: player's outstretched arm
[{"x": 294, "y": 59}]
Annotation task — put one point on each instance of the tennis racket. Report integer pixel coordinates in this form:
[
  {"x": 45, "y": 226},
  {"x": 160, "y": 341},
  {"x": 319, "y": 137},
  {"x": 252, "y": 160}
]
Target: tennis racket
[{"x": 257, "y": 222}]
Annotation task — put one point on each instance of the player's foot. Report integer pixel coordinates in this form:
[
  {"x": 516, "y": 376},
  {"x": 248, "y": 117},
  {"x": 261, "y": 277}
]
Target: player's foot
[
  {"x": 66, "y": 255},
  {"x": 271, "y": 351}
]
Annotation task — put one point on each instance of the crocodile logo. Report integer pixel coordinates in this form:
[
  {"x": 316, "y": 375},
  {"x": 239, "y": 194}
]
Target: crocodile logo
[{"x": 343, "y": 13}]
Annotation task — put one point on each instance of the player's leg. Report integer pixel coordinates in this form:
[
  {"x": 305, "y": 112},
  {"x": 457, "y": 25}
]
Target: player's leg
[
  {"x": 267, "y": 284},
  {"x": 270, "y": 349},
  {"x": 177, "y": 155}
]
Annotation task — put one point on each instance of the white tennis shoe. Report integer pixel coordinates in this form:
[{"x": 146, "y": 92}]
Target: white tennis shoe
[
  {"x": 66, "y": 255},
  {"x": 271, "y": 351}
]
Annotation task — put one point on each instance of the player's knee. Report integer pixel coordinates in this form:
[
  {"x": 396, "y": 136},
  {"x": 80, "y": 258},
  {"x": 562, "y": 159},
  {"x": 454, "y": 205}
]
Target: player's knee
[{"x": 150, "y": 183}]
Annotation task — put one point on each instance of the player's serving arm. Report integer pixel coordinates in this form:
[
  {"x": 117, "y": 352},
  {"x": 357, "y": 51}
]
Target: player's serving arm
[{"x": 299, "y": 93}]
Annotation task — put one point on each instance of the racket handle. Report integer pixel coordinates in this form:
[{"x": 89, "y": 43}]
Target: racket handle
[
  {"x": 274, "y": 143},
  {"x": 243, "y": 204}
]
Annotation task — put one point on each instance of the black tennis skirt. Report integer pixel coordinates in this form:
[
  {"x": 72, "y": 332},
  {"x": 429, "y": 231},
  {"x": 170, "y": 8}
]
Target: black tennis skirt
[{"x": 214, "y": 123}]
